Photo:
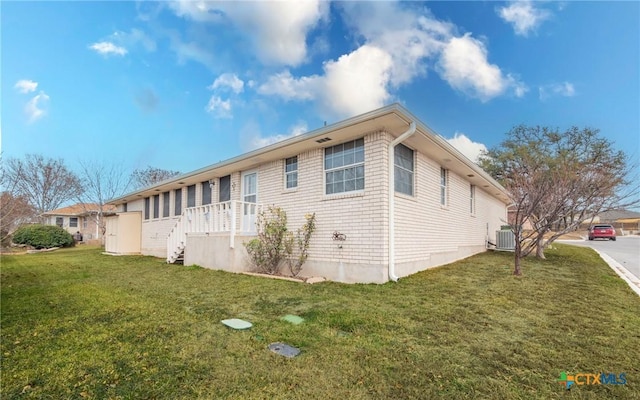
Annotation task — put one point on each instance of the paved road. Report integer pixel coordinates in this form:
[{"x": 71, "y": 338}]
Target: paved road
[{"x": 625, "y": 250}]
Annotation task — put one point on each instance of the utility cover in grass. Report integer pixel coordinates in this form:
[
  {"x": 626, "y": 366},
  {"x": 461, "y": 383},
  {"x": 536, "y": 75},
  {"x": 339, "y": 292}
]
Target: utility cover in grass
[
  {"x": 294, "y": 319},
  {"x": 284, "y": 349},
  {"x": 236, "y": 323}
]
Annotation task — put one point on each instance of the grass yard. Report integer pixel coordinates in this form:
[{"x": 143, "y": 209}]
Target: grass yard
[{"x": 78, "y": 324}]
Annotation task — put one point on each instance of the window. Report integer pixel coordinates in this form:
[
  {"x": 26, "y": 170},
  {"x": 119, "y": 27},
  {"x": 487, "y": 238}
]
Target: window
[
  {"x": 73, "y": 222},
  {"x": 206, "y": 193},
  {"x": 291, "y": 172},
  {"x": 403, "y": 169},
  {"x": 191, "y": 196},
  {"x": 165, "y": 204},
  {"x": 344, "y": 167},
  {"x": 443, "y": 186},
  {"x": 59, "y": 221},
  {"x": 156, "y": 206},
  {"x": 85, "y": 222},
  {"x": 124, "y": 207},
  {"x": 178, "y": 202},
  {"x": 472, "y": 199},
  {"x": 146, "y": 208},
  {"x": 225, "y": 188}
]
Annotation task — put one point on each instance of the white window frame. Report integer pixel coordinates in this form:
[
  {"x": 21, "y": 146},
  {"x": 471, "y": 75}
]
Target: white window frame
[
  {"x": 293, "y": 173},
  {"x": 73, "y": 226},
  {"x": 411, "y": 171},
  {"x": 444, "y": 182},
  {"x": 472, "y": 199},
  {"x": 345, "y": 167}
]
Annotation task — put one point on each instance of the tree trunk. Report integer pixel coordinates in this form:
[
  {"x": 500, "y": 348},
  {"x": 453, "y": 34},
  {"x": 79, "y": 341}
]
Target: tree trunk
[
  {"x": 517, "y": 271},
  {"x": 517, "y": 257},
  {"x": 540, "y": 248}
]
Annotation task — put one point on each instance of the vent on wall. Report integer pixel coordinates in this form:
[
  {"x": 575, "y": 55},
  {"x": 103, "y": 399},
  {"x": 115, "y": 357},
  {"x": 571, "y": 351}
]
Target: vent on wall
[{"x": 326, "y": 139}]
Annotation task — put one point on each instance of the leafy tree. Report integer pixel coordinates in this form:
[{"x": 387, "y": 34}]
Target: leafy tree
[
  {"x": 150, "y": 176},
  {"x": 102, "y": 181},
  {"x": 45, "y": 183},
  {"x": 558, "y": 180}
]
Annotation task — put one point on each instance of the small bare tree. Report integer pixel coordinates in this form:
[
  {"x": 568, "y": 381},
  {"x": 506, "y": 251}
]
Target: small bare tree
[
  {"x": 45, "y": 183},
  {"x": 558, "y": 179},
  {"x": 14, "y": 211},
  {"x": 150, "y": 176},
  {"x": 102, "y": 181}
]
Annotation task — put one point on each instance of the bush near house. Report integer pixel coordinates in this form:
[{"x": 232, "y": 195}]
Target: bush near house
[{"x": 42, "y": 236}]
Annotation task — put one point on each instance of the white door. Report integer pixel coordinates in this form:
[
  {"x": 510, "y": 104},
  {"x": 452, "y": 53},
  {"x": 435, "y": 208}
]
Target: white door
[
  {"x": 111, "y": 238},
  {"x": 249, "y": 198}
]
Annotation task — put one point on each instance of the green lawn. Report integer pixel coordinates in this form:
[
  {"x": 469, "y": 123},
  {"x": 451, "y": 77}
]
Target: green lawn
[{"x": 79, "y": 324}]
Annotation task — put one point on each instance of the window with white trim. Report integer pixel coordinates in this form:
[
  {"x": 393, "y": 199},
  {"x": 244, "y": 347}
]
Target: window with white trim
[
  {"x": 191, "y": 196},
  {"x": 165, "y": 204},
  {"x": 344, "y": 167},
  {"x": 147, "y": 204},
  {"x": 443, "y": 186},
  {"x": 177, "y": 202},
  {"x": 472, "y": 199},
  {"x": 403, "y": 169},
  {"x": 291, "y": 172},
  {"x": 156, "y": 206},
  {"x": 59, "y": 221},
  {"x": 73, "y": 222},
  {"x": 206, "y": 192}
]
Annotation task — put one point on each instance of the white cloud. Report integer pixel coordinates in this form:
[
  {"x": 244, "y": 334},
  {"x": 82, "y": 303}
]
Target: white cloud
[
  {"x": 524, "y": 16},
  {"x": 284, "y": 85},
  {"x": 133, "y": 38},
  {"x": 409, "y": 38},
  {"x": 466, "y": 146},
  {"x": 399, "y": 45},
  {"x": 355, "y": 83},
  {"x": 257, "y": 141},
  {"x": 190, "y": 51},
  {"x": 465, "y": 67},
  {"x": 26, "y": 86},
  {"x": 108, "y": 48},
  {"x": 564, "y": 89},
  {"x": 277, "y": 30},
  {"x": 228, "y": 80},
  {"x": 35, "y": 108},
  {"x": 219, "y": 108}
]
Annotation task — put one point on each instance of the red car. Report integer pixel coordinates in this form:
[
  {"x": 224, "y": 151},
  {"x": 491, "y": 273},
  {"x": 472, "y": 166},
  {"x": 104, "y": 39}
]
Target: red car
[{"x": 602, "y": 231}]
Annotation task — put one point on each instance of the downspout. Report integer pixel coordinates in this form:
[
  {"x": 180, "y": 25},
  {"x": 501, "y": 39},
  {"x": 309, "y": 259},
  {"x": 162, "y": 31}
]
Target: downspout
[{"x": 392, "y": 201}]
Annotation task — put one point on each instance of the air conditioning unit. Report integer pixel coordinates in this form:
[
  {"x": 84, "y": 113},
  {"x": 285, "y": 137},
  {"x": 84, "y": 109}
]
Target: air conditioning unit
[{"x": 505, "y": 240}]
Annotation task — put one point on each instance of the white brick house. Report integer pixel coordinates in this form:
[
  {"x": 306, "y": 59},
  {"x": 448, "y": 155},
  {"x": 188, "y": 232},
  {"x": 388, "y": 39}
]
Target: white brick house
[{"x": 405, "y": 199}]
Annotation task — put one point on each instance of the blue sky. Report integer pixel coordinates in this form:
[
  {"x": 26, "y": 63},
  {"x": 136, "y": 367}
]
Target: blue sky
[{"x": 182, "y": 85}]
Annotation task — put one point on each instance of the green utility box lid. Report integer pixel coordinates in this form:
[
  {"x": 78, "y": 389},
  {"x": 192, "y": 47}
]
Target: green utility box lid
[
  {"x": 294, "y": 319},
  {"x": 236, "y": 323}
]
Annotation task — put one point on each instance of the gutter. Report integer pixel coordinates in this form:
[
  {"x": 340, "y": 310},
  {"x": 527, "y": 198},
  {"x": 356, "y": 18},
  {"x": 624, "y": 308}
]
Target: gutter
[{"x": 392, "y": 200}]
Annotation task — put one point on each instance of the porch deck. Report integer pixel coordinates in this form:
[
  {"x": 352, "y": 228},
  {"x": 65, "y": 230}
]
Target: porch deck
[{"x": 230, "y": 217}]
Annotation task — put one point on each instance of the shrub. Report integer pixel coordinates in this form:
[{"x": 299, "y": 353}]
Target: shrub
[
  {"x": 42, "y": 236},
  {"x": 275, "y": 244},
  {"x": 269, "y": 250},
  {"x": 298, "y": 255}
]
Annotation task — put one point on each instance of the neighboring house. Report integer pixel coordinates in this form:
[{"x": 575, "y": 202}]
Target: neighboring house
[
  {"x": 400, "y": 195},
  {"x": 81, "y": 217},
  {"x": 627, "y": 221}
]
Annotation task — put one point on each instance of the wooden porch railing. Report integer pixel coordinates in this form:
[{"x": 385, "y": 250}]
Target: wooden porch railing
[{"x": 231, "y": 217}]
